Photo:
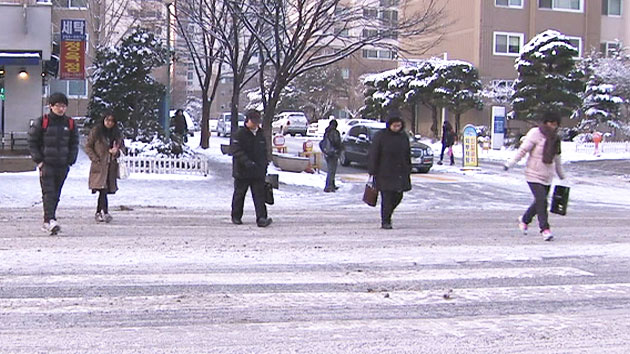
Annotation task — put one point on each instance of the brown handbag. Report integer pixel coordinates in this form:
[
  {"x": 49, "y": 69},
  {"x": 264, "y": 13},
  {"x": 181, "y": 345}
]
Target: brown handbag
[{"x": 370, "y": 194}]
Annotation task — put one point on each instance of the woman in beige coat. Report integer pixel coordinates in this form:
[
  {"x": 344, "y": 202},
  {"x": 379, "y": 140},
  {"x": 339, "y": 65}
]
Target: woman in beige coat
[
  {"x": 103, "y": 147},
  {"x": 543, "y": 163}
]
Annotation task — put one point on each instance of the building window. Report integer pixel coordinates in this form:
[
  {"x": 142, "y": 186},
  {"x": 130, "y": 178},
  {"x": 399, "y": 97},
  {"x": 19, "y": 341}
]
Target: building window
[
  {"x": 370, "y": 13},
  {"x": 389, "y": 17},
  {"x": 509, "y": 3},
  {"x": 71, "y": 4},
  {"x": 71, "y": 88},
  {"x": 576, "y": 42},
  {"x": 507, "y": 43},
  {"x": 388, "y": 3},
  {"x": 342, "y": 32},
  {"x": 611, "y": 7},
  {"x": 379, "y": 54},
  {"x": 609, "y": 49},
  {"x": 345, "y": 73},
  {"x": 370, "y": 53},
  {"x": 562, "y": 5},
  {"x": 369, "y": 33}
]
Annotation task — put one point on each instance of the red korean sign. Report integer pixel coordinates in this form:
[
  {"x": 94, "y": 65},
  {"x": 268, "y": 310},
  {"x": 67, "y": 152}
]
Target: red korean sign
[{"x": 72, "y": 60}]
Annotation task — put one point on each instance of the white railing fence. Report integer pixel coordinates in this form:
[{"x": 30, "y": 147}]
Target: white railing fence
[
  {"x": 605, "y": 147},
  {"x": 167, "y": 165}
]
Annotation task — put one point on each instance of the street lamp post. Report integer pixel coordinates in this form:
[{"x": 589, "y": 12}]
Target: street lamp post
[{"x": 167, "y": 98}]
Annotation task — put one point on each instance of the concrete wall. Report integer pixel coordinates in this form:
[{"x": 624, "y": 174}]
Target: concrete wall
[
  {"x": 617, "y": 28},
  {"x": 35, "y": 36},
  {"x": 23, "y": 97}
]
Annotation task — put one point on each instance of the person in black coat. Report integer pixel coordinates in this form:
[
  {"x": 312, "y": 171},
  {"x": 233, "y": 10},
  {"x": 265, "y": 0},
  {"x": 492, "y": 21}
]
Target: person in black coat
[
  {"x": 54, "y": 145},
  {"x": 249, "y": 168},
  {"x": 331, "y": 142},
  {"x": 389, "y": 161},
  {"x": 448, "y": 140},
  {"x": 180, "y": 125}
]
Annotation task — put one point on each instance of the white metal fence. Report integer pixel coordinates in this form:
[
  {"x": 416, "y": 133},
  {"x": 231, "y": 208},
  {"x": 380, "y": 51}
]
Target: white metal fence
[
  {"x": 167, "y": 165},
  {"x": 605, "y": 147}
]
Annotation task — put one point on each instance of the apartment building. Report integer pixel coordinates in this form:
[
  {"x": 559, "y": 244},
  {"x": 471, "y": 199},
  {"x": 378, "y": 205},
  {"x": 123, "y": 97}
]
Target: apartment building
[{"x": 490, "y": 34}]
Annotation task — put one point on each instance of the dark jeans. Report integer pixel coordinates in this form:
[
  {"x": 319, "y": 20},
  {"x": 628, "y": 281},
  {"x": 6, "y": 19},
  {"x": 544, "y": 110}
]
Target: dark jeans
[
  {"x": 51, "y": 179},
  {"x": 258, "y": 194},
  {"x": 389, "y": 202},
  {"x": 539, "y": 206},
  {"x": 331, "y": 164},
  {"x": 444, "y": 148},
  {"x": 103, "y": 204}
]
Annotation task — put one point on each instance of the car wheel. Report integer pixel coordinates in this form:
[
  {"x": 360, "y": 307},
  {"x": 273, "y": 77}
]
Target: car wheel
[{"x": 343, "y": 160}]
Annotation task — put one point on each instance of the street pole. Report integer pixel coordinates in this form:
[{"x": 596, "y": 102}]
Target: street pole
[{"x": 167, "y": 98}]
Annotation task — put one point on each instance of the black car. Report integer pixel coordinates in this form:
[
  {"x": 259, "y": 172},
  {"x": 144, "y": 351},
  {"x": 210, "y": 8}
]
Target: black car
[{"x": 356, "y": 144}]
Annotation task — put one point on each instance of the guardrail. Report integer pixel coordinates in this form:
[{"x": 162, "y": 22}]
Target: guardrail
[
  {"x": 14, "y": 141},
  {"x": 167, "y": 165},
  {"x": 605, "y": 147}
]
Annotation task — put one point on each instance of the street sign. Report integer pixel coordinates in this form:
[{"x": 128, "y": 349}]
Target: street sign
[
  {"x": 498, "y": 127},
  {"x": 470, "y": 147},
  {"x": 73, "y": 36}
]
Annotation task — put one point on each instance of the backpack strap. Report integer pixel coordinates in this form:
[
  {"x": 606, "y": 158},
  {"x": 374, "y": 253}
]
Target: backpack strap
[
  {"x": 71, "y": 123},
  {"x": 45, "y": 122}
]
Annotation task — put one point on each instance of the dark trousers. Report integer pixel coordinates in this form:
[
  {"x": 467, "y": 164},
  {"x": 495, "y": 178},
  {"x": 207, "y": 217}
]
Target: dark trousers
[
  {"x": 103, "y": 204},
  {"x": 257, "y": 187},
  {"x": 539, "y": 206},
  {"x": 444, "y": 148},
  {"x": 389, "y": 202},
  {"x": 331, "y": 164},
  {"x": 51, "y": 179}
]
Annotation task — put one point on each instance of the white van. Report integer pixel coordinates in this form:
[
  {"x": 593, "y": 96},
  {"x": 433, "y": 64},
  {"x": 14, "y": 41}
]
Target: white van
[
  {"x": 290, "y": 123},
  {"x": 224, "y": 123}
]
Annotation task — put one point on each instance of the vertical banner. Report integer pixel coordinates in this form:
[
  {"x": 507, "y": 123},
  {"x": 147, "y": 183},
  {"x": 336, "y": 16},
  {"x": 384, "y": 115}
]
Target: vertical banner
[
  {"x": 470, "y": 146},
  {"x": 498, "y": 127},
  {"x": 73, "y": 38}
]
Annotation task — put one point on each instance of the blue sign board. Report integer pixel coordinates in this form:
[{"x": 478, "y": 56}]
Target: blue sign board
[
  {"x": 73, "y": 30},
  {"x": 499, "y": 125}
]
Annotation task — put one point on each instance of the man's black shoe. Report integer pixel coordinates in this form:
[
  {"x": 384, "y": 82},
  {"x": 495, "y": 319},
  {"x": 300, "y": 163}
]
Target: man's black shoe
[
  {"x": 386, "y": 226},
  {"x": 236, "y": 221},
  {"x": 264, "y": 222}
]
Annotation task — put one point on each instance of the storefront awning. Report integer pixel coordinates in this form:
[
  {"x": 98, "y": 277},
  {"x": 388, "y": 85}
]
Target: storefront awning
[{"x": 20, "y": 58}]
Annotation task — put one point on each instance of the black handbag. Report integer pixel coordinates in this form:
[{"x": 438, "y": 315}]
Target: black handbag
[
  {"x": 370, "y": 194},
  {"x": 269, "y": 193},
  {"x": 560, "y": 200}
]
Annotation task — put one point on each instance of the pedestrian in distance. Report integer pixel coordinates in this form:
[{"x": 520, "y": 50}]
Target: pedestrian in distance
[
  {"x": 448, "y": 140},
  {"x": 180, "y": 126},
  {"x": 331, "y": 148},
  {"x": 104, "y": 145},
  {"x": 249, "y": 169},
  {"x": 542, "y": 144},
  {"x": 389, "y": 162},
  {"x": 54, "y": 145}
]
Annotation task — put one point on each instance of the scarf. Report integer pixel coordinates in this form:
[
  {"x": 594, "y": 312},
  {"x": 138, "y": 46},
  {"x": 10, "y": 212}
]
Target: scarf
[{"x": 552, "y": 143}]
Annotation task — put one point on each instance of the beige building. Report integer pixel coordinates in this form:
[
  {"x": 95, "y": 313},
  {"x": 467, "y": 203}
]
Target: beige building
[{"x": 490, "y": 34}]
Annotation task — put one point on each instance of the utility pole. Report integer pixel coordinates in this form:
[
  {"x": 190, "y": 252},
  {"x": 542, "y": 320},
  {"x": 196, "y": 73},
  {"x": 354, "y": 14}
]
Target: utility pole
[{"x": 167, "y": 98}]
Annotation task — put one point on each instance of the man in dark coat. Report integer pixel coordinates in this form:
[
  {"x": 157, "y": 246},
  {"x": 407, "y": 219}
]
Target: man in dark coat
[
  {"x": 180, "y": 125},
  {"x": 448, "y": 140},
  {"x": 54, "y": 145},
  {"x": 389, "y": 161},
  {"x": 331, "y": 143},
  {"x": 249, "y": 168}
]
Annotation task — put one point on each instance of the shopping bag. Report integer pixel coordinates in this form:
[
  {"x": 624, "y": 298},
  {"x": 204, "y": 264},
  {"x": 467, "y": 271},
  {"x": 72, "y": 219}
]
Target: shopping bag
[
  {"x": 370, "y": 194},
  {"x": 123, "y": 170},
  {"x": 560, "y": 200},
  {"x": 269, "y": 193}
]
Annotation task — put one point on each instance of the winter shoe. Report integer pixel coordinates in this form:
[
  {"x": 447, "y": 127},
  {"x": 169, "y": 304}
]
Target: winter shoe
[
  {"x": 522, "y": 226},
  {"x": 45, "y": 227},
  {"x": 98, "y": 217},
  {"x": 329, "y": 190},
  {"x": 547, "y": 235},
  {"x": 51, "y": 227},
  {"x": 264, "y": 222},
  {"x": 236, "y": 221},
  {"x": 386, "y": 226},
  {"x": 107, "y": 218},
  {"x": 439, "y": 162}
]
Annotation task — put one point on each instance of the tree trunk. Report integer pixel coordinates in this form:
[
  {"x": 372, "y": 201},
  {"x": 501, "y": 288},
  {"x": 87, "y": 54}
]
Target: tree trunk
[
  {"x": 205, "y": 120},
  {"x": 457, "y": 125},
  {"x": 270, "y": 111},
  {"x": 434, "y": 124},
  {"x": 234, "y": 109}
]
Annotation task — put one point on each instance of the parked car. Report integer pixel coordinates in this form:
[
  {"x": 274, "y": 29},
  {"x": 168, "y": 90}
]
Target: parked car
[
  {"x": 224, "y": 123},
  {"x": 212, "y": 124},
  {"x": 290, "y": 123},
  {"x": 189, "y": 121},
  {"x": 357, "y": 141},
  {"x": 346, "y": 124}
]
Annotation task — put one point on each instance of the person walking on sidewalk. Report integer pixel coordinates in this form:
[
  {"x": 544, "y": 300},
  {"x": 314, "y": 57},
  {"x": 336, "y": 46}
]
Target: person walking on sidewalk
[
  {"x": 542, "y": 143},
  {"x": 331, "y": 148},
  {"x": 448, "y": 140},
  {"x": 180, "y": 127},
  {"x": 103, "y": 147},
  {"x": 389, "y": 161},
  {"x": 249, "y": 168},
  {"x": 54, "y": 145}
]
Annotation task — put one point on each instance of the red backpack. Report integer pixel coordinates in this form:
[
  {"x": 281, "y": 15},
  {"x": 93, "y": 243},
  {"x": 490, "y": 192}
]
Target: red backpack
[{"x": 45, "y": 123}]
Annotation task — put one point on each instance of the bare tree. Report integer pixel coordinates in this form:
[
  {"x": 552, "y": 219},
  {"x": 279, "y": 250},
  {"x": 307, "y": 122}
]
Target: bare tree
[
  {"x": 302, "y": 35},
  {"x": 106, "y": 18}
]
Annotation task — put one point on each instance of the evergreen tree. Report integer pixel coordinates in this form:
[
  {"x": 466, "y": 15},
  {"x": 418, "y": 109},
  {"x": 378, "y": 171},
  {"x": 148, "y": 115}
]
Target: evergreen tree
[
  {"x": 548, "y": 79},
  {"x": 122, "y": 83}
]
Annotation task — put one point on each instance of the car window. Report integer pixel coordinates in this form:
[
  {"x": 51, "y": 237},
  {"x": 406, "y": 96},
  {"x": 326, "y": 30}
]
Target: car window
[
  {"x": 355, "y": 131},
  {"x": 373, "y": 131}
]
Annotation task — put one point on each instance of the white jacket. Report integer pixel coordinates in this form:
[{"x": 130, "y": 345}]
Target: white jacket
[{"x": 536, "y": 170}]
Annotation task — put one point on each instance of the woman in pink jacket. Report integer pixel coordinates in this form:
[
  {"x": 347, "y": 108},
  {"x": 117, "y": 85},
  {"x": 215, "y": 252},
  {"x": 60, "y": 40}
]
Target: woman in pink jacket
[{"x": 543, "y": 145}]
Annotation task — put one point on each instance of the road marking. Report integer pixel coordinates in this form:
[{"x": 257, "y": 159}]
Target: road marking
[{"x": 363, "y": 177}]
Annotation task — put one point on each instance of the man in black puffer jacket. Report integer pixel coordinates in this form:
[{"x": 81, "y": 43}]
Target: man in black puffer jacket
[
  {"x": 389, "y": 161},
  {"x": 54, "y": 144},
  {"x": 249, "y": 168}
]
